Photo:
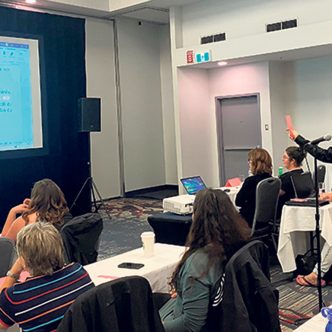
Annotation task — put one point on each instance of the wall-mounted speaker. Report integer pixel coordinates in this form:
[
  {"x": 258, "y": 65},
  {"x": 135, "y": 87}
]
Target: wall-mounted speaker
[{"x": 89, "y": 114}]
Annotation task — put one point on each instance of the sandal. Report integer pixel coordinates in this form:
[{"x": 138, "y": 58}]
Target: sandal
[{"x": 303, "y": 281}]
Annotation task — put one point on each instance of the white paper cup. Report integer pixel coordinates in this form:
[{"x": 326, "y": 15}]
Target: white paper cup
[{"x": 148, "y": 239}]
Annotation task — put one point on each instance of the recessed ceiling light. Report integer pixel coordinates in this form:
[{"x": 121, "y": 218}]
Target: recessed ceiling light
[
  {"x": 30, "y": 1},
  {"x": 222, "y": 63}
]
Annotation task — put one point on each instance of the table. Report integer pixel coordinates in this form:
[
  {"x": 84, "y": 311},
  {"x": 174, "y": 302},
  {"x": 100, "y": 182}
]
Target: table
[
  {"x": 157, "y": 269},
  {"x": 173, "y": 228},
  {"x": 232, "y": 192},
  {"x": 315, "y": 324},
  {"x": 295, "y": 223}
]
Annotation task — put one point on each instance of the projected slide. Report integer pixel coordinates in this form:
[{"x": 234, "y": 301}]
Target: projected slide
[{"x": 20, "y": 103}]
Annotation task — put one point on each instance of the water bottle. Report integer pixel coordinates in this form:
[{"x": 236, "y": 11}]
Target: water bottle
[
  {"x": 327, "y": 313},
  {"x": 280, "y": 170}
]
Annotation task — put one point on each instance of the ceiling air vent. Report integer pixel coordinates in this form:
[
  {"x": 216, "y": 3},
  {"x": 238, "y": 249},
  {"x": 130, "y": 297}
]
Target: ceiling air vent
[
  {"x": 273, "y": 27},
  {"x": 289, "y": 24},
  {"x": 213, "y": 38},
  {"x": 206, "y": 39},
  {"x": 219, "y": 37}
]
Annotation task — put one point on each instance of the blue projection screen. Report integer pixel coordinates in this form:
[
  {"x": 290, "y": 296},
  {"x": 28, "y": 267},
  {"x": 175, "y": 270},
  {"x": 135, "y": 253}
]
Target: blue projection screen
[{"x": 20, "y": 101}]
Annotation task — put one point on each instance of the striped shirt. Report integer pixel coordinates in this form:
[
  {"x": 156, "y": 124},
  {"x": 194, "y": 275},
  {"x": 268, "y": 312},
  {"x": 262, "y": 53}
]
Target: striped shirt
[{"x": 38, "y": 304}]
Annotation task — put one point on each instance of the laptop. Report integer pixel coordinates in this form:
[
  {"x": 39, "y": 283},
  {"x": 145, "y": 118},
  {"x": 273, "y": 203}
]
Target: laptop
[
  {"x": 303, "y": 185},
  {"x": 193, "y": 184}
]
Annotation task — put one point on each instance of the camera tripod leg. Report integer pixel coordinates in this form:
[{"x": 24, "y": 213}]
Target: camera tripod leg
[
  {"x": 101, "y": 201},
  {"x": 87, "y": 181}
]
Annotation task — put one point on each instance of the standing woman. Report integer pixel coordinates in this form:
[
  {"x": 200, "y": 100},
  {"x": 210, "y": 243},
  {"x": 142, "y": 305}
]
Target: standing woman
[
  {"x": 260, "y": 166},
  {"x": 47, "y": 203},
  {"x": 292, "y": 160},
  {"x": 217, "y": 231}
]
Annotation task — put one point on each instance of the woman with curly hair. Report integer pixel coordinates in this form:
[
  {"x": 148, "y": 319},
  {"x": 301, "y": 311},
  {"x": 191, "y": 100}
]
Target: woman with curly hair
[
  {"x": 47, "y": 203},
  {"x": 260, "y": 168},
  {"x": 217, "y": 231}
]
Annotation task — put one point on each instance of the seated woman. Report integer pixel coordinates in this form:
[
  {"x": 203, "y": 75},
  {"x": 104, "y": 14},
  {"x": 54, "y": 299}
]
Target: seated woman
[
  {"x": 260, "y": 166},
  {"x": 47, "y": 203},
  {"x": 39, "y": 303},
  {"x": 217, "y": 231},
  {"x": 292, "y": 160}
]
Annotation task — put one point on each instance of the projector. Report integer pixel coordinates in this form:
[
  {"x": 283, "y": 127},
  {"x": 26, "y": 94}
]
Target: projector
[{"x": 182, "y": 204}]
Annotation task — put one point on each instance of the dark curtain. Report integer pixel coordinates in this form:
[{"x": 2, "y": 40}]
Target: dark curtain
[{"x": 63, "y": 80}]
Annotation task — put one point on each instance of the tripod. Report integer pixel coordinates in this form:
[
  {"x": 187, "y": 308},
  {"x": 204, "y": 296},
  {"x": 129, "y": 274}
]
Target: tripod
[{"x": 93, "y": 190}]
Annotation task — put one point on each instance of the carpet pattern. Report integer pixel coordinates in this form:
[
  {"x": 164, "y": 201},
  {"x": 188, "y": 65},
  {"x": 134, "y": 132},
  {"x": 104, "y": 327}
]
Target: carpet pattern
[{"x": 129, "y": 220}]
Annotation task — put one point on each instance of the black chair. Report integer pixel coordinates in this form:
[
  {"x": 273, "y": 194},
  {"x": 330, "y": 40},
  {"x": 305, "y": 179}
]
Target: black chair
[
  {"x": 122, "y": 305},
  {"x": 81, "y": 238},
  {"x": 321, "y": 172},
  {"x": 243, "y": 299},
  {"x": 267, "y": 195},
  {"x": 8, "y": 255}
]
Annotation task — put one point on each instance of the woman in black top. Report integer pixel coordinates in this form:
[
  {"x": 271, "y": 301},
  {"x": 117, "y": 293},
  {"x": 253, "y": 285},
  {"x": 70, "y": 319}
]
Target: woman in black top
[
  {"x": 292, "y": 160},
  {"x": 260, "y": 166},
  {"x": 324, "y": 155}
]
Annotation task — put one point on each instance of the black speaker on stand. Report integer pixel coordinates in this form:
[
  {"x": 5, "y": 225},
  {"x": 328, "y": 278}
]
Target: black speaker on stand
[{"x": 90, "y": 121}]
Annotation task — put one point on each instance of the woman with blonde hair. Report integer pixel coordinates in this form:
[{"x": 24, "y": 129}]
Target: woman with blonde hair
[
  {"x": 47, "y": 203},
  {"x": 39, "y": 303},
  {"x": 260, "y": 168}
]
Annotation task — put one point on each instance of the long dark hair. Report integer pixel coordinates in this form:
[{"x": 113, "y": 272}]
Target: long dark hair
[
  {"x": 48, "y": 202},
  {"x": 216, "y": 226}
]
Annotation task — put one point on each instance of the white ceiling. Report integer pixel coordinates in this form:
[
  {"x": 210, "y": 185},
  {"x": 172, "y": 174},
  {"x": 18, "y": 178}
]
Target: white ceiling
[{"x": 156, "y": 11}]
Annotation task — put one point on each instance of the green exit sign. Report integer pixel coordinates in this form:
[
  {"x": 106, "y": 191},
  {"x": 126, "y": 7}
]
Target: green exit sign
[{"x": 203, "y": 57}]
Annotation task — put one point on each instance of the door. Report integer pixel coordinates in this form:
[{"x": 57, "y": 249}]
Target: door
[{"x": 239, "y": 131}]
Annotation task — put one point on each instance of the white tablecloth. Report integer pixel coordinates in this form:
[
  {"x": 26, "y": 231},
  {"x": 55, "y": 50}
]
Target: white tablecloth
[
  {"x": 315, "y": 324},
  {"x": 157, "y": 269},
  {"x": 232, "y": 192},
  {"x": 295, "y": 224}
]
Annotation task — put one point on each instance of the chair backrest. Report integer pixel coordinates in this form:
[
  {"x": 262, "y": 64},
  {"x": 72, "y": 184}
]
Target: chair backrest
[
  {"x": 303, "y": 185},
  {"x": 81, "y": 238},
  {"x": 121, "y": 305},
  {"x": 267, "y": 195},
  {"x": 8, "y": 255},
  {"x": 321, "y": 171},
  {"x": 249, "y": 301}
]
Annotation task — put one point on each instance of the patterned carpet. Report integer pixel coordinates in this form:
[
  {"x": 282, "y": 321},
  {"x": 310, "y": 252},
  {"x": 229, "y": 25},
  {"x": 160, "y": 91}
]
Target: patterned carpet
[{"x": 129, "y": 220}]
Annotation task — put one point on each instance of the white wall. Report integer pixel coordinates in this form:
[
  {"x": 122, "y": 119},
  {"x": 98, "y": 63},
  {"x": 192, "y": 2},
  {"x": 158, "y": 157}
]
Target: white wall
[
  {"x": 101, "y": 83},
  {"x": 279, "y": 95},
  {"x": 139, "y": 55},
  {"x": 167, "y": 106},
  {"x": 239, "y": 18},
  {"x": 198, "y": 90},
  {"x": 194, "y": 123},
  {"x": 310, "y": 101}
]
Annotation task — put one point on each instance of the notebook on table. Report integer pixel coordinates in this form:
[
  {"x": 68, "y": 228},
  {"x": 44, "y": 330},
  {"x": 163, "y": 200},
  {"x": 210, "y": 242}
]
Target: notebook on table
[
  {"x": 193, "y": 184},
  {"x": 310, "y": 201}
]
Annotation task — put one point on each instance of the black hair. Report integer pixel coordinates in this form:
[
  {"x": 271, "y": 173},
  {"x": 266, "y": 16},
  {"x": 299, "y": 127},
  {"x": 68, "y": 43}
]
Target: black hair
[{"x": 295, "y": 153}]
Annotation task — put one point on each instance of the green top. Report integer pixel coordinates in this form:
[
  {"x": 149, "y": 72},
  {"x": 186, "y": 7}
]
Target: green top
[{"x": 188, "y": 311}]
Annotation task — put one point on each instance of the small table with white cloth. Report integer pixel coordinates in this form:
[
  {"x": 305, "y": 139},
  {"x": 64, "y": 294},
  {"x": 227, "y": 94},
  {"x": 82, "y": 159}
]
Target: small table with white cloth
[
  {"x": 295, "y": 223},
  {"x": 315, "y": 324},
  {"x": 157, "y": 269}
]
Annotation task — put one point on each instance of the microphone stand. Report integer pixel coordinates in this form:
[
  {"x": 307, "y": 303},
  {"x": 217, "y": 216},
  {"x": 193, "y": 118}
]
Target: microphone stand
[{"x": 317, "y": 234}]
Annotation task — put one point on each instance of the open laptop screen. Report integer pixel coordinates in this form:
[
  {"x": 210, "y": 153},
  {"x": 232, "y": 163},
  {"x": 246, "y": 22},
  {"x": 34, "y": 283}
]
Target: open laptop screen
[
  {"x": 193, "y": 184},
  {"x": 303, "y": 185}
]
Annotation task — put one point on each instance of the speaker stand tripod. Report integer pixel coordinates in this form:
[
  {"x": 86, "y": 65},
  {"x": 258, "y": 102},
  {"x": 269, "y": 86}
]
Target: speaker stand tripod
[{"x": 93, "y": 193}]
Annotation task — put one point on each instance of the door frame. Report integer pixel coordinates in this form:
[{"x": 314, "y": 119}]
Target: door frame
[{"x": 220, "y": 144}]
